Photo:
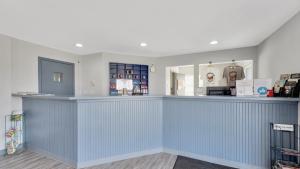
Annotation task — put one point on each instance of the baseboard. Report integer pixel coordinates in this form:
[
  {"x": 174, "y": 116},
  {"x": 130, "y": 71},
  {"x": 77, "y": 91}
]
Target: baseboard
[
  {"x": 212, "y": 159},
  {"x": 119, "y": 157}
]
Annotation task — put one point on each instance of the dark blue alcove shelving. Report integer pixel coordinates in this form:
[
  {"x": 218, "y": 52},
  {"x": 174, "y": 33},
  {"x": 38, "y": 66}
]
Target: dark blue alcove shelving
[{"x": 135, "y": 72}]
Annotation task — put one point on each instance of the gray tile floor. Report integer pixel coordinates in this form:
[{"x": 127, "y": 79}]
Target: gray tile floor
[
  {"x": 32, "y": 160},
  {"x": 188, "y": 163}
]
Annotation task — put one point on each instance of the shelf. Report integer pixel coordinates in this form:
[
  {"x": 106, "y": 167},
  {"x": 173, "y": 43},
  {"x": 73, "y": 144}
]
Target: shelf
[
  {"x": 14, "y": 133},
  {"x": 280, "y": 164},
  {"x": 286, "y": 151},
  {"x": 135, "y": 72}
]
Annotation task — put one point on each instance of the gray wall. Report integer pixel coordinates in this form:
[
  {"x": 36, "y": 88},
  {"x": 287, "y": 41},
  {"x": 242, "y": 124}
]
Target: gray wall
[
  {"x": 248, "y": 53},
  {"x": 25, "y": 66},
  {"x": 19, "y": 72},
  {"x": 5, "y": 85},
  {"x": 94, "y": 72},
  {"x": 280, "y": 53},
  {"x": 90, "y": 74},
  {"x": 25, "y": 63},
  {"x": 94, "y": 68}
]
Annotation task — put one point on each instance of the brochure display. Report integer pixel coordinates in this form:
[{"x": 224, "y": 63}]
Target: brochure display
[{"x": 128, "y": 79}]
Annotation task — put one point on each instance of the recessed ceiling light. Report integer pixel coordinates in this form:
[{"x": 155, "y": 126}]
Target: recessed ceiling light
[
  {"x": 143, "y": 44},
  {"x": 79, "y": 45},
  {"x": 214, "y": 42}
]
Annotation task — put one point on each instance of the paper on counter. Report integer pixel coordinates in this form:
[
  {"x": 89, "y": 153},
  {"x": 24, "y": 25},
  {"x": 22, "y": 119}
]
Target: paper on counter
[{"x": 244, "y": 87}]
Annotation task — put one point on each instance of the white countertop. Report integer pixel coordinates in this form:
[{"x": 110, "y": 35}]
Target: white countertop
[
  {"x": 237, "y": 98},
  {"x": 254, "y": 98}
]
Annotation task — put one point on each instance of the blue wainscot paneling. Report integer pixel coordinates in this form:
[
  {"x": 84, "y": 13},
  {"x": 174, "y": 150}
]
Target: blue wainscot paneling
[
  {"x": 116, "y": 129},
  {"x": 51, "y": 127},
  {"x": 225, "y": 131},
  {"x": 86, "y": 131}
]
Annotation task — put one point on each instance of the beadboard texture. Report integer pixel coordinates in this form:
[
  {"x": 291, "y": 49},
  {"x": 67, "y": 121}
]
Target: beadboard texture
[
  {"x": 116, "y": 127},
  {"x": 228, "y": 130},
  {"x": 91, "y": 131},
  {"x": 51, "y": 127}
]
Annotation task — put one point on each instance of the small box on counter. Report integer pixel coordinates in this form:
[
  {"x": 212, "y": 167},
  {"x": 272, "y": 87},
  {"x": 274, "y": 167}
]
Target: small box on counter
[{"x": 261, "y": 86}]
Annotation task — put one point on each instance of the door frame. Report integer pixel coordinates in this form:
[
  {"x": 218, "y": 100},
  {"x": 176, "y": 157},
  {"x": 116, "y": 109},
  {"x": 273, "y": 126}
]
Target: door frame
[{"x": 40, "y": 59}]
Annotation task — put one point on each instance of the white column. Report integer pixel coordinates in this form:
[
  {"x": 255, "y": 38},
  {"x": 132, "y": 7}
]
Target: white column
[{"x": 196, "y": 78}]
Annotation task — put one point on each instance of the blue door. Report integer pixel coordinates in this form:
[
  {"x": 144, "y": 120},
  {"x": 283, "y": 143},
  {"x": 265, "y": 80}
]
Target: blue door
[{"x": 56, "y": 77}]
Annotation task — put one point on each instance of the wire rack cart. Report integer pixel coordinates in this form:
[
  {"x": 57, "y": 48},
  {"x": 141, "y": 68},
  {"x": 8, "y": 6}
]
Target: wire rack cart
[
  {"x": 284, "y": 146},
  {"x": 14, "y": 133}
]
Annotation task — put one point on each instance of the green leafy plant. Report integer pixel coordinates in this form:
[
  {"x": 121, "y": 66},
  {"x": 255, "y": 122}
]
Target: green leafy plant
[{"x": 16, "y": 117}]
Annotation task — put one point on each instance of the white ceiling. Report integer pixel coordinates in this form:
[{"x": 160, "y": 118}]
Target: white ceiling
[{"x": 168, "y": 26}]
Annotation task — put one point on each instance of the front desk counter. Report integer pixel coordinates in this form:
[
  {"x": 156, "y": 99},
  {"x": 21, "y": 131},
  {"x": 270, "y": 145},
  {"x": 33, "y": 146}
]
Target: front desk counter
[{"x": 86, "y": 131}]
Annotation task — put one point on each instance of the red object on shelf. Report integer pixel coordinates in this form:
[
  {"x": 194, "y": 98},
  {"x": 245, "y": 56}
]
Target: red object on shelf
[{"x": 270, "y": 93}]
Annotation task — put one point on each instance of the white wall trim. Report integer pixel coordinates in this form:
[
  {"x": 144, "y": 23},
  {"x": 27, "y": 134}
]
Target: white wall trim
[
  {"x": 212, "y": 159},
  {"x": 118, "y": 158}
]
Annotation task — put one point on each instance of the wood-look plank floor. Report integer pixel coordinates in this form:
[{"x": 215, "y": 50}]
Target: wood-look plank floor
[
  {"x": 156, "y": 161},
  {"x": 32, "y": 160}
]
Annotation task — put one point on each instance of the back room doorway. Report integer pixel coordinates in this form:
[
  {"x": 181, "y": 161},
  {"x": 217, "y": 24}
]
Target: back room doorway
[{"x": 56, "y": 77}]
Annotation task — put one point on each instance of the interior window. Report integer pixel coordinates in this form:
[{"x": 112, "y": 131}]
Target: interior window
[
  {"x": 212, "y": 74},
  {"x": 180, "y": 80}
]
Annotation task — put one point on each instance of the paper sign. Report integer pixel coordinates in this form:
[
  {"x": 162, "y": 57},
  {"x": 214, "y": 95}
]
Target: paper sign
[
  {"x": 261, "y": 86},
  {"x": 244, "y": 87},
  {"x": 283, "y": 127}
]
